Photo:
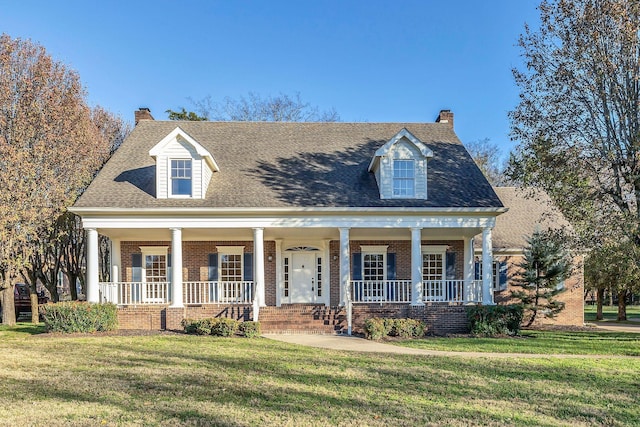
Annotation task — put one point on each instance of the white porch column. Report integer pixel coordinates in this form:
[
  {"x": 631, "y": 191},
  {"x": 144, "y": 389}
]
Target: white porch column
[
  {"x": 487, "y": 267},
  {"x": 416, "y": 266},
  {"x": 116, "y": 261},
  {"x": 93, "y": 290},
  {"x": 279, "y": 275},
  {"x": 176, "y": 268},
  {"x": 468, "y": 268},
  {"x": 345, "y": 267},
  {"x": 258, "y": 260}
]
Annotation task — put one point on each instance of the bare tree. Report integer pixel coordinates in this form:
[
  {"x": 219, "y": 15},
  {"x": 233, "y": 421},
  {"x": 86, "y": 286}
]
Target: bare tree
[
  {"x": 49, "y": 150},
  {"x": 254, "y": 107},
  {"x": 487, "y": 156},
  {"x": 578, "y": 121}
]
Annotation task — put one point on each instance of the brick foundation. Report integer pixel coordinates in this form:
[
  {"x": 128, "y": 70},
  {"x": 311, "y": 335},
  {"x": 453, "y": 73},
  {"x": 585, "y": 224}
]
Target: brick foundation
[{"x": 440, "y": 319}]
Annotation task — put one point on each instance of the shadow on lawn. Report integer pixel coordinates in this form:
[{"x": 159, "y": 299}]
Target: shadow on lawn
[{"x": 24, "y": 329}]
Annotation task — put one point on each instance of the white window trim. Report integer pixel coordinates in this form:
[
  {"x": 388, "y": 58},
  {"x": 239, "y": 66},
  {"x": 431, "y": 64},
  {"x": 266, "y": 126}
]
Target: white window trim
[
  {"x": 437, "y": 250},
  {"x": 230, "y": 250},
  {"x": 170, "y": 179},
  {"x": 393, "y": 178},
  {"x": 374, "y": 250},
  {"x": 153, "y": 250}
]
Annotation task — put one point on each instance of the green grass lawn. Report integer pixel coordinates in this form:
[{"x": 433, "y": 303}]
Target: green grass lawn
[
  {"x": 197, "y": 381},
  {"x": 611, "y": 313},
  {"x": 539, "y": 342}
]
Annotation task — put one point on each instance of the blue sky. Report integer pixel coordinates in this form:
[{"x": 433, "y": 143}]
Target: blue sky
[{"x": 370, "y": 60}]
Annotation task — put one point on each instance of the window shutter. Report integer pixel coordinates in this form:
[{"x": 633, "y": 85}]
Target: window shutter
[
  {"x": 451, "y": 266},
  {"x": 248, "y": 267},
  {"x": 136, "y": 267},
  {"x": 357, "y": 266},
  {"x": 391, "y": 266},
  {"x": 477, "y": 266},
  {"x": 391, "y": 275},
  {"x": 213, "y": 267},
  {"x": 502, "y": 273}
]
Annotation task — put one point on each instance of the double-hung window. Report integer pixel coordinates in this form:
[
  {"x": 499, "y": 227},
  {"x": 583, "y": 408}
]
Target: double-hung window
[
  {"x": 181, "y": 182},
  {"x": 404, "y": 178},
  {"x": 374, "y": 272}
]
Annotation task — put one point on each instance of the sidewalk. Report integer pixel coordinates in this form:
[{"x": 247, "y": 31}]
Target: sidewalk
[
  {"x": 617, "y": 327},
  {"x": 347, "y": 343}
]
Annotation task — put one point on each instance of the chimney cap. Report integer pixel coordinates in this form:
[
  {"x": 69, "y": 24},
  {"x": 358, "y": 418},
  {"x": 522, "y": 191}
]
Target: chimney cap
[
  {"x": 142, "y": 113},
  {"x": 445, "y": 116}
]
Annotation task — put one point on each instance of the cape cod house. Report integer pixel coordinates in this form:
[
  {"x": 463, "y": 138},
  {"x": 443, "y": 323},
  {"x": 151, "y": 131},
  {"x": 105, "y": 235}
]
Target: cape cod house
[{"x": 311, "y": 226}]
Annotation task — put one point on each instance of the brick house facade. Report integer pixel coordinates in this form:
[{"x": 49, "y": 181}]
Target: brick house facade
[{"x": 303, "y": 226}]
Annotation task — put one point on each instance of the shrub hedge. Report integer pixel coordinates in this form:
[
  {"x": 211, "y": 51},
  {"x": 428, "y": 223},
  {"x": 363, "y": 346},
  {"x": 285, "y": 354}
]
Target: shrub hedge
[
  {"x": 76, "y": 316},
  {"x": 377, "y": 328},
  {"x": 221, "y": 327},
  {"x": 493, "y": 320}
]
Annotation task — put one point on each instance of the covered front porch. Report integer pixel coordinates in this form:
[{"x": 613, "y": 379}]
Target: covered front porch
[{"x": 407, "y": 261}]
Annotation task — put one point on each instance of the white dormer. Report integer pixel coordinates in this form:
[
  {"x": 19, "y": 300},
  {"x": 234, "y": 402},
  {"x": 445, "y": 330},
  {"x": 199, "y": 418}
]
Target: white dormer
[
  {"x": 183, "y": 167},
  {"x": 400, "y": 167}
]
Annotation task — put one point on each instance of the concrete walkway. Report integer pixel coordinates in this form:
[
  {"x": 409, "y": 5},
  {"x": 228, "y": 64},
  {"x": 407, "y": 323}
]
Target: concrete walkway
[
  {"x": 347, "y": 343},
  {"x": 617, "y": 327}
]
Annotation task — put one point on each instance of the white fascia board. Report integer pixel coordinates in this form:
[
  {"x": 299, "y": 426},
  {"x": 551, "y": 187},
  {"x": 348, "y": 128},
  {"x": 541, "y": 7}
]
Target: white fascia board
[
  {"x": 159, "y": 147},
  {"x": 291, "y": 221},
  {"x": 186, "y": 211}
]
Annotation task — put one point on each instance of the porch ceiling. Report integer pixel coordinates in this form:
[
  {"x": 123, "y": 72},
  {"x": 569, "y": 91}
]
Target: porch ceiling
[{"x": 210, "y": 234}]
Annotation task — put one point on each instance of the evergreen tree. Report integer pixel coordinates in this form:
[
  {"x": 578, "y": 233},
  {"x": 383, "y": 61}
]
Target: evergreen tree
[{"x": 545, "y": 266}]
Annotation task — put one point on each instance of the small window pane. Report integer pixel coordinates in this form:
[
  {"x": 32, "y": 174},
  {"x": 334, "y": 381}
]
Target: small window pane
[{"x": 181, "y": 177}]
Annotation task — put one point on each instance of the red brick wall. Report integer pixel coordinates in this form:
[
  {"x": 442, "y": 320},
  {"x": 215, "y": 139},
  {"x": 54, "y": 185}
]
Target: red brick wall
[
  {"x": 440, "y": 319},
  {"x": 573, "y": 313}
]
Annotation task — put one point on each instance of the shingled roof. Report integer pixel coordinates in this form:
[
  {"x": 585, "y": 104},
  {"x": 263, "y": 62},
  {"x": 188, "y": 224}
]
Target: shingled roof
[
  {"x": 264, "y": 164},
  {"x": 529, "y": 210}
]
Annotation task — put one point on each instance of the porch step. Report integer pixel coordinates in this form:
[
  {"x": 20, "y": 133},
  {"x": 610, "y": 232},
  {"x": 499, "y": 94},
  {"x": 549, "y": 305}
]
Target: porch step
[{"x": 303, "y": 319}]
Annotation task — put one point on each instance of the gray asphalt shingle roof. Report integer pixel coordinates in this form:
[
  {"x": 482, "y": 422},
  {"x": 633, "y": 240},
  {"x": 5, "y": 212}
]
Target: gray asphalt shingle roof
[
  {"x": 529, "y": 210},
  {"x": 266, "y": 164}
]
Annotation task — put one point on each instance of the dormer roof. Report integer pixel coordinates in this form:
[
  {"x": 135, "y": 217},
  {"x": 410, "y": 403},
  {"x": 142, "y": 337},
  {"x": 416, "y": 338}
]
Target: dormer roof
[
  {"x": 404, "y": 133},
  {"x": 178, "y": 133}
]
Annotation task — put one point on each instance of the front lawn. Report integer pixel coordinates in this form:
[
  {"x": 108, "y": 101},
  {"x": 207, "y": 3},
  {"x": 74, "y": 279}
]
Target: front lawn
[
  {"x": 539, "y": 342},
  {"x": 172, "y": 379},
  {"x": 610, "y": 313}
]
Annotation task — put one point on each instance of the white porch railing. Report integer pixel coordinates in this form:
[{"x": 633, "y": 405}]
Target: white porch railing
[
  {"x": 131, "y": 293},
  {"x": 139, "y": 293},
  {"x": 364, "y": 291},
  {"x": 218, "y": 292},
  {"x": 451, "y": 291},
  {"x": 400, "y": 291}
]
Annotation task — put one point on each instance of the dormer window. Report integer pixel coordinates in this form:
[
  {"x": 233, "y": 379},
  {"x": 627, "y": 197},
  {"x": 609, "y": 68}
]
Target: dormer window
[
  {"x": 184, "y": 168},
  {"x": 181, "y": 183},
  {"x": 400, "y": 167},
  {"x": 404, "y": 178}
]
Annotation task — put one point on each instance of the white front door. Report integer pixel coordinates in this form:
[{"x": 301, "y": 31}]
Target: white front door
[{"x": 303, "y": 284}]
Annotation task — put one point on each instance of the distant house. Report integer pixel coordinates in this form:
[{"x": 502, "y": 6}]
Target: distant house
[{"x": 291, "y": 224}]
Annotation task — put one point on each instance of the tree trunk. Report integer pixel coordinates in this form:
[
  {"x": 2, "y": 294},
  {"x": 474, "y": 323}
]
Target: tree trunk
[
  {"x": 599, "y": 301},
  {"x": 8, "y": 307},
  {"x": 622, "y": 305},
  {"x": 35, "y": 316},
  {"x": 73, "y": 287}
]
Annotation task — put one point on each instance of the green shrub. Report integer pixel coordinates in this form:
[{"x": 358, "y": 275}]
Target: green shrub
[
  {"x": 223, "y": 327},
  {"x": 197, "y": 327},
  {"x": 249, "y": 329},
  {"x": 409, "y": 328},
  {"x": 76, "y": 316},
  {"x": 377, "y": 328},
  {"x": 492, "y": 320}
]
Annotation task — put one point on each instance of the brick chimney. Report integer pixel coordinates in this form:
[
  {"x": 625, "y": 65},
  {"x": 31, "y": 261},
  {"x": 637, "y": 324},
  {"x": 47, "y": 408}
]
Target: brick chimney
[
  {"x": 143, "y": 113},
  {"x": 445, "y": 116}
]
